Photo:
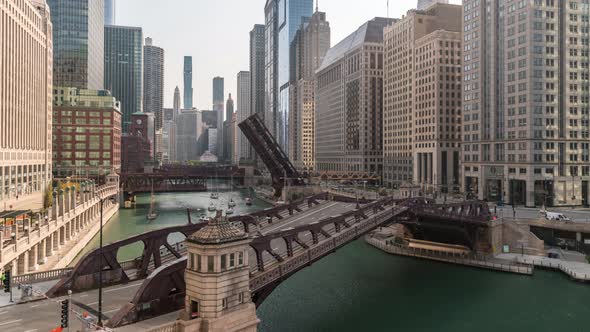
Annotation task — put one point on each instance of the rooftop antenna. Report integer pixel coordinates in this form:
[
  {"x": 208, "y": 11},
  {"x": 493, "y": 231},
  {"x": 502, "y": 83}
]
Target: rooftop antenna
[
  {"x": 317, "y": 5},
  {"x": 387, "y": 8}
]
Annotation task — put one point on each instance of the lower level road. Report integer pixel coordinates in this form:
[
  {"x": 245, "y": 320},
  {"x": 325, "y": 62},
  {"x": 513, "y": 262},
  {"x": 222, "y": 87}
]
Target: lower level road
[
  {"x": 45, "y": 315},
  {"x": 312, "y": 215}
]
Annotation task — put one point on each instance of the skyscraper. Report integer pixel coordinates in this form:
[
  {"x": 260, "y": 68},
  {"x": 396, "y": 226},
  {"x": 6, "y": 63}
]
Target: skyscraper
[
  {"x": 257, "y": 69},
  {"x": 349, "y": 103},
  {"x": 283, "y": 18},
  {"x": 153, "y": 90},
  {"x": 78, "y": 43},
  {"x": 526, "y": 101},
  {"x": 218, "y": 91},
  {"x": 228, "y": 132},
  {"x": 110, "y": 12},
  {"x": 176, "y": 102},
  {"x": 309, "y": 47},
  {"x": 123, "y": 68},
  {"x": 244, "y": 149},
  {"x": 422, "y": 116},
  {"x": 173, "y": 131},
  {"x": 424, "y": 4},
  {"x": 188, "y": 82},
  {"x": 25, "y": 104}
]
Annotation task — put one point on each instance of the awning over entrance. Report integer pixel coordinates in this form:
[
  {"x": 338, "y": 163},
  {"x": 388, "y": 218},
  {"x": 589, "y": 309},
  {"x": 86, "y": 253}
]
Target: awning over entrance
[{"x": 13, "y": 214}]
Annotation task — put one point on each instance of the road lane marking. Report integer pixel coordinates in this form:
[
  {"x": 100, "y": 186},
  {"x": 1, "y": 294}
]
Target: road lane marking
[
  {"x": 3, "y": 312},
  {"x": 93, "y": 303},
  {"x": 106, "y": 312},
  {"x": 35, "y": 306},
  {"x": 124, "y": 287},
  {"x": 35, "y": 330},
  {"x": 11, "y": 322},
  {"x": 83, "y": 295},
  {"x": 267, "y": 231}
]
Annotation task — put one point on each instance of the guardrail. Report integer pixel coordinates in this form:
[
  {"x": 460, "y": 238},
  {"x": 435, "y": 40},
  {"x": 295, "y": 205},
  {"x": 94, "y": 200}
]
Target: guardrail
[
  {"x": 170, "y": 327},
  {"x": 584, "y": 277},
  {"x": 42, "y": 276}
]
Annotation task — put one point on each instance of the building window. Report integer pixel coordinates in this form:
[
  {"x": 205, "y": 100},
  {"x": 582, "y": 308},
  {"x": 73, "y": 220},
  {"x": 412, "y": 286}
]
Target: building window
[
  {"x": 210, "y": 263},
  {"x": 191, "y": 264},
  {"x": 241, "y": 297},
  {"x": 223, "y": 262},
  {"x": 224, "y": 303},
  {"x": 240, "y": 258},
  {"x": 199, "y": 263}
]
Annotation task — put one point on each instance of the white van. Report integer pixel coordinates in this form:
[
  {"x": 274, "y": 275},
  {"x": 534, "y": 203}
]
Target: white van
[{"x": 555, "y": 216}]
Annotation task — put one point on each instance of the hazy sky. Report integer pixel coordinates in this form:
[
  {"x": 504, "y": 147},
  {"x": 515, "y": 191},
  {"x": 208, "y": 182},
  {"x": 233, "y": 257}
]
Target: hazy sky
[{"x": 216, "y": 34}]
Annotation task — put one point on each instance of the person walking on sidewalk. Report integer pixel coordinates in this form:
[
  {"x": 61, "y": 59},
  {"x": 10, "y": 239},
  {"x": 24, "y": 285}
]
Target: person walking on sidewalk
[{"x": 513, "y": 212}]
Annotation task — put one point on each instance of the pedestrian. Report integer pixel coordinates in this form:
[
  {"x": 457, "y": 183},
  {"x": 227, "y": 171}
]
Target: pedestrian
[
  {"x": 513, "y": 213},
  {"x": 2, "y": 277},
  {"x": 495, "y": 211}
]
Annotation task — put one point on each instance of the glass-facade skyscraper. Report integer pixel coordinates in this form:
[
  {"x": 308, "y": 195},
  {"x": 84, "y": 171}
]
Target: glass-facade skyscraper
[
  {"x": 218, "y": 87},
  {"x": 109, "y": 12},
  {"x": 78, "y": 43},
  {"x": 123, "y": 61},
  {"x": 283, "y": 18},
  {"x": 188, "y": 82}
]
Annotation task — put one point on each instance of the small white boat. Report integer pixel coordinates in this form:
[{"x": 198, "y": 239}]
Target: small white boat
[
  {"x": 214, "y": 195},
  {"x": 248, "y": 201},
  {"x": 204, "y": 218},
  {"x": 212, "y": 207},
  {"x": 229, "y": 211},
  {"x": 231, "y": 203}
]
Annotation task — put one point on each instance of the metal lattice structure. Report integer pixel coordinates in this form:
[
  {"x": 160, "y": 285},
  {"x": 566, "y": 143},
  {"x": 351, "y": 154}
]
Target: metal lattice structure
[{"x": 276, "y": 161}]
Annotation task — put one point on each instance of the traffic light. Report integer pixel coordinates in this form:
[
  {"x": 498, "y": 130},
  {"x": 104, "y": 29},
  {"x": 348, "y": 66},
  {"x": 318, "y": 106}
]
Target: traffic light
[
  {"x": 7, "y": 278},
  {"x": 65, "y": 313}
]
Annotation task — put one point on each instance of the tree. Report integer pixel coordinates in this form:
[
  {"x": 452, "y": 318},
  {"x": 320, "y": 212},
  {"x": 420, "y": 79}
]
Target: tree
[{"x": 48, "y": 197}]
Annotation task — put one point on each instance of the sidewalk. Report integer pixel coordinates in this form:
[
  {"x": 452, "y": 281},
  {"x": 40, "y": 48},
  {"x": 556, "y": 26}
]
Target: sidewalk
[
  {"x": 576, "y": 270},
  {"x": 41, "y": 287}
]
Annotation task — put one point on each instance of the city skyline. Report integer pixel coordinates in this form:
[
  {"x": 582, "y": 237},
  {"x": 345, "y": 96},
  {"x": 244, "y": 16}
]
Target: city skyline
[{"x": 209, "y": 61}]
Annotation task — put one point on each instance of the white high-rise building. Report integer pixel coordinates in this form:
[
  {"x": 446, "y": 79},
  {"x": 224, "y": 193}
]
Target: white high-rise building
[
  {"x": 526, "y": 101},
  {"x": 25, "y": 104}
]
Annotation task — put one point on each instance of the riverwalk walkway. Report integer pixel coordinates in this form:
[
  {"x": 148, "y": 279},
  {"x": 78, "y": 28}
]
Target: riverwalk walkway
[{"x": 576, "y": 270}]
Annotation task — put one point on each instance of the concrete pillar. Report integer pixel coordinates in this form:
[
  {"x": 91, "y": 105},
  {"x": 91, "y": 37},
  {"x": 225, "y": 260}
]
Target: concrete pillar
[
  {"x": 23, "y": 263},
  {"x": 49, "y": 245},
  {"x": 41, "y": 252},
  {"x": 66, "y": 199},
  {"x": 60, "y": 198},
  {"x": 73, "y": 198},
  {"x": 55, "y": 238},
  {"x": 578, "y": 236},
  {"x": 62, "y": 236},
  {"x": 530, "y": 193},
  {"x": 33, "y": 266},
  {"x": 67, "y": 230},
  {"x": 54, "y": 207}
]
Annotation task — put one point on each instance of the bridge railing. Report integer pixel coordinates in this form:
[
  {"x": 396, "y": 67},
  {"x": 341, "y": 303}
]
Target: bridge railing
[
  {"x": 170, "y": 327},
  {"x": 42, "y": 276}
]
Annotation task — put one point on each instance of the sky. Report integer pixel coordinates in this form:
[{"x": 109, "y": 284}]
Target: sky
[{"x": 216, "y": 34}]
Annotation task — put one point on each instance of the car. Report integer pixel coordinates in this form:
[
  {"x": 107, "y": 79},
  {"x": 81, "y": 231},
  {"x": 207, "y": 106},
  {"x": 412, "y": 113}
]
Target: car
[{"x": 554, "y": 216}]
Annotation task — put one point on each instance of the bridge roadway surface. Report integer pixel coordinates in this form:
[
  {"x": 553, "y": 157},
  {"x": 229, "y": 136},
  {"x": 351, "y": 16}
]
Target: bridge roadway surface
[{"x": 44, "y": 315}]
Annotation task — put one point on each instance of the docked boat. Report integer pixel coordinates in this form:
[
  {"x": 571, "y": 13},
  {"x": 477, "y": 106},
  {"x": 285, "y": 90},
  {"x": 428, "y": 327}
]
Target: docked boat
[
  {"x": 204, "y": 218},
  {"x": 231, "y": 203},
  {"x": 229, "y": 211},
  {"x": 214, "y": 195},
  {"x": 248, "y": 201},
  {"x": 212, "y": 207}
]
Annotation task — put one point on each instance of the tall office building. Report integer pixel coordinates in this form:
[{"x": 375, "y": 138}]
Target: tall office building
[
  {"x": 218, "y": 106},
  {"x": 424, "y": 4},
  {"x": 153, "y": 90},
  {"x": 78, "y": 43},
  {"x": 310, "y": 45},
  {"x": 228, "y": 132},
  {"x": 422, "y": 99},
  {"x": 172, "y": 152},
  {"x": 257, "y": 69},
  {"x": 526, "y": 101},
  {"x": 349, "y": 103},
  {"x": 245, "y": 152},
  {"x": 189, "y": 130},
  {"x": 283, "y": 18},
  {"x": 123, "y": 63},
  {"x": 188, "y": 82},
  {"x": 25, "y": 104},
  {"x": 110, "y": 11}
]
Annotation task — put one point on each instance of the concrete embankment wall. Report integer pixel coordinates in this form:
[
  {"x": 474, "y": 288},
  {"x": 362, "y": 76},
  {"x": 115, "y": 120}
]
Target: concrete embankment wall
[
  {"x": 515, "y": 236},
  {"x": 71, "y": 255}
]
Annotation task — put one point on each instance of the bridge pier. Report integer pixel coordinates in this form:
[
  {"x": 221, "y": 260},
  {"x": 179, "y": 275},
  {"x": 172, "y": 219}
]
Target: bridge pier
[
  {"x": 217, "y": 279},
  {"x": 33, "y": 266}
]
